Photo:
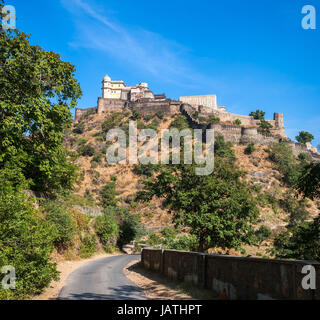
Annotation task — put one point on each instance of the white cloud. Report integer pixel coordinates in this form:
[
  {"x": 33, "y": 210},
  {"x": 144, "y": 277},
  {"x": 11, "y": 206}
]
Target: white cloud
[{"x": 164, "y": 59}]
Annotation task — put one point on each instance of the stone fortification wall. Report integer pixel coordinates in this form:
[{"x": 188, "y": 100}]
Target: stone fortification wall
[
  {"x": 209, "y": 101},
  {"x": 106, "y": 105}
]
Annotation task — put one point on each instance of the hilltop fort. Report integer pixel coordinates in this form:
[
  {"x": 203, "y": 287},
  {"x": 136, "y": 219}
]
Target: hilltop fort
[{"x": 201, "y": 111}]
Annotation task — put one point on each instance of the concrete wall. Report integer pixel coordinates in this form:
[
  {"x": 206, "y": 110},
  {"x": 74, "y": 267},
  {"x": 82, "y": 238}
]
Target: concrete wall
[{"x": 234, "y": 277}]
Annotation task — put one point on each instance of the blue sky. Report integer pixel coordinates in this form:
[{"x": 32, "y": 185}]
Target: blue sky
[{"x": 251, "y": 54}]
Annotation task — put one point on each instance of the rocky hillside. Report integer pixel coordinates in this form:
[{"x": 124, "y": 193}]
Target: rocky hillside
[{"x": 277, "y": 204}]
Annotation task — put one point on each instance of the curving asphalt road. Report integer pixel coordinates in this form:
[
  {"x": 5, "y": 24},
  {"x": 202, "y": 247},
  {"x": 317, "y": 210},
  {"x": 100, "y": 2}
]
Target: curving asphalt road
[{"x": 102, "y": 279}]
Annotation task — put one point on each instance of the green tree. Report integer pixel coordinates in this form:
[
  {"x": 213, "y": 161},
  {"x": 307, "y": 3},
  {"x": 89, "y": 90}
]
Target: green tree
[
  {"x": 304, "y": 137},
  {"x": 218, "y": 208},
  {"x": 258, "y": 114},
  {"x": 264, "y": 126},
  {"x": 37, "y": 91}
]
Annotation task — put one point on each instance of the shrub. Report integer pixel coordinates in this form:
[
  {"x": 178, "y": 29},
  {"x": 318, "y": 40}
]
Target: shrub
[
  {"x": 213, "y": 119},
  {"x": 263, "y": 233},
  {"x": 135, "y": 115},
  {"x": 281, "y": 153},
  {"x": 108, "y": 194},
  {"x": 26, "y": 244},
  {"x": 130, "y": 229},
  {"x": 237, "y": 122},
  {"x": 223, "y": 149},
  {"x": 180, "y": 122},
  {"x": 86, "y": 150},
  {"x": 78, "y": 128},
  {"x": 87, "y": 247},
  {"x": 63, "y": 225},
  {"x": 160, "y": 114},
  {"x": 113, "y": 121},
  {"x": 250, "y": 148},
  {"x": 302, "y": 156},
  {"x": 299, "y": 242},
  {"x": 107, "y": 229}
]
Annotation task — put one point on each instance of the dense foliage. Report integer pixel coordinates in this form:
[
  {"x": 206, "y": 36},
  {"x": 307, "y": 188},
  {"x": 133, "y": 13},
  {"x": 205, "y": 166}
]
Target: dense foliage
[
  {"x": 37, "y": 91},
  {"x": 304, "y": 137},
  {"x": 218, "y": 208}
]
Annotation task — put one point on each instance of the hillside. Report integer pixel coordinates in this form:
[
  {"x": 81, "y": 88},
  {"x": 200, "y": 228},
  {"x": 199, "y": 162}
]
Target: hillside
[{"x": 272, "y": 193}]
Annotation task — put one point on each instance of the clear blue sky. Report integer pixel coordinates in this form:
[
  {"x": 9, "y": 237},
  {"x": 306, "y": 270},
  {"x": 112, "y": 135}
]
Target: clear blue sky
[{"x": 250, "y": 53}]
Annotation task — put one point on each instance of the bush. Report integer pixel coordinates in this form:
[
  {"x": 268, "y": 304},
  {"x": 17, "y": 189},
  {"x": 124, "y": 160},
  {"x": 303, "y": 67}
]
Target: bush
[
  {"x": 237, "y": 122},
  {"x": 88, "y": 246},
  {"x": 78, "y": 128},
  {"x": 86, "y": 150},
  {"x": 263, "y": 233},
  {"x": 213, "y": 119},
  {"x": 107, "y": 229},
  {"x": 63, "y": 225},
  {"x": 108, "y": 194},
  {"x": 135, "y": 115},
  {"x": 250, "y": 148},
  {"x": 26, "y": 244},
  {"x": 160, "y": 114},
  {"x": 281, "y": 153},
  {"x": 130, "y": 229},
  {"x": 112, "y": 122},
  {"x": 299, "y": 242},
  {"x": 180, "y": 122},
  {"x": 223, "y": 149}
]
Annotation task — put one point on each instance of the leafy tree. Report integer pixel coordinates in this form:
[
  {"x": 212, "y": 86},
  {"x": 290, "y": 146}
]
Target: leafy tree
[
  {"x": 264, "y": 126},
  {"x": 302, "y": 239},
  {"x": 130, "y": 228},
  {"x": 304, "y": 137},
  {"x": 309, "y": 180},
  {"x": 37, "y": 91},
  {"x": 299, "y": 242},
  {"x": 237, "y": 122},
  {"x": 258, "y": 114},
  {"x": 218, "y": 208}
]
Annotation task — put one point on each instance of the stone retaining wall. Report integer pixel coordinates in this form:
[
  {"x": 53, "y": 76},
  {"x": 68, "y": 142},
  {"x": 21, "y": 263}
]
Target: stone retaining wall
[{"x": 235, "y": 278}]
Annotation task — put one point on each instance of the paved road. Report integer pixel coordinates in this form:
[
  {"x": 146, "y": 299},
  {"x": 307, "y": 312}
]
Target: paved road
[{"x": 102, "y": 279}]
